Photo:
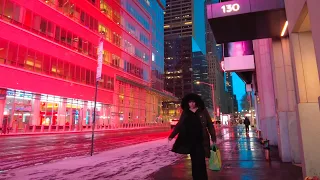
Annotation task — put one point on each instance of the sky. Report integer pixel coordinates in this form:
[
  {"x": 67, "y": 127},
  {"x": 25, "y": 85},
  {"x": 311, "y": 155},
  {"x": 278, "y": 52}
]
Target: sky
[{"x": 238, "y": 88}]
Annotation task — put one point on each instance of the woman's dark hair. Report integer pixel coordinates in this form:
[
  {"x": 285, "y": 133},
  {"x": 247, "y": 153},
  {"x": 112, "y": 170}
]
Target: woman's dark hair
[{"x": 192, "y": 97}]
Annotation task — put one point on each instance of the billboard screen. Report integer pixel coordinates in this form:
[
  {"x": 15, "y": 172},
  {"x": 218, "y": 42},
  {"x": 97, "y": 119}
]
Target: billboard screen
[{"x": 238, "y": 56}]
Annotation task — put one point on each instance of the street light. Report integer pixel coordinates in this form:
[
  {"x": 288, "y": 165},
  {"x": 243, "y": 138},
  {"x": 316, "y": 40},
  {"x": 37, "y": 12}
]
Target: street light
[{"x": 213, "y": 99}]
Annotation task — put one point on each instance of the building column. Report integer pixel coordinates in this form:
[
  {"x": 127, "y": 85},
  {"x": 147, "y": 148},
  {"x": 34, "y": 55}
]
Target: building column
[
  {"x": 62, "y": 112},
  {"x": 35, "y": 115},
  {"x": 289, "y": 145},
  {"x": 265, "y": 90},
  {"x": 308, "y": 90},
  {"x": 3, "y": 94}
]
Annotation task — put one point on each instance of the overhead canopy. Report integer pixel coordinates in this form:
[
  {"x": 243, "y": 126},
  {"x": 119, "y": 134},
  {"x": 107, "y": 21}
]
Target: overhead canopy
[{"x": 246, "y": 19}]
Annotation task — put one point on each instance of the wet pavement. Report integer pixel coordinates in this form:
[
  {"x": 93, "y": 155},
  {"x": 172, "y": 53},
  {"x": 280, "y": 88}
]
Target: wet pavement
[
  {"x": 23, "y": 151},
  {"x": 242, "y": 159}
]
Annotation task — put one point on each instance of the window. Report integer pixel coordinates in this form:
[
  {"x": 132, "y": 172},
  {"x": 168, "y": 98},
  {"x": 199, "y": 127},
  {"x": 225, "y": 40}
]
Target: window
[
  {"x": 60, "y": 69},
  {"x": 54, "y": 66},
  {"x": 88, "y": 76},
  {"x": 27, "y": 19},
  {"x": 67, "y": 70},
  {"x": 50, "y": 29},
  {"x": 38, "y": 62},
  {"x": 75, "y": 42},
  {"x": 93, "y": 78},
  {"x": 22, "y": 55},
  {"x": 77, "y": 74},
  {"x": 18, "y": 14},
  {"x": 57, "y": 34},
  {"x": 83, "y": 75},
  {"x": 1, "y": 6},
  {"x": 12, "y": 54},
  {"x": 115, "y": 60},
  {"x": 43, "y": 26},
  {"x": 8, "y": 9},
  {"x": 46, "y": 65},
  {"x": 90, "y": 49},
  {"x": 69, "y": 38},
  {"x": 63, "y": 36},
  {"x": 72, "y": 72},
  {"x": 29, "y": 61},
  {"x": 80, "y": 45},
  {"x": 85, "y": 47},
  {"x": 3, "y": 50},
  {"x": 36, "y": 23},
  {"x": 106, "y": 57}
]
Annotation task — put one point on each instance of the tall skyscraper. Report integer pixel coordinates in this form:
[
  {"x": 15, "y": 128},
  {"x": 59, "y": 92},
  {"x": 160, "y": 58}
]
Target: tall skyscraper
[
  {"x": 155, "y": 8},
  {"x": 185, "y": 48},
  {"x": 48, "y": 54}
]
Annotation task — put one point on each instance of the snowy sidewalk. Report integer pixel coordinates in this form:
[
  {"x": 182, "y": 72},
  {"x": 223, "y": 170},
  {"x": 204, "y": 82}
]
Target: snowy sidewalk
[{"x": 132, "y": 162}]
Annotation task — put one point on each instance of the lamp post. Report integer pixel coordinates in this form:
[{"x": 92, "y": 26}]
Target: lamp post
[{"x": 213, "y": 99}]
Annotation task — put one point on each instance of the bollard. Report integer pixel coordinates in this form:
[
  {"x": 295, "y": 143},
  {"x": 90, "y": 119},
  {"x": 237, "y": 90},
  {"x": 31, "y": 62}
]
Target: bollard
[
  {"x": 64, "y": 128},
  {"x": 57, "y": 128},
  {"x": 34, "y": 128},
  {"x": 50, "y": 126},
  {"x": 42, "y": 128}
]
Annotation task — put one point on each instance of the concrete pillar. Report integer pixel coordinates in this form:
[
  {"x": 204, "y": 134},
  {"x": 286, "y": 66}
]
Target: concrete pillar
[
  {"x": 62, "y": 112},
  {"x": 289, "y": 145},
  {"x": 265, "y": 90},
  {"x": 35, "y": 115},
  {"x": 3, "y": 94},
  {"x": 308, "y": 87}
]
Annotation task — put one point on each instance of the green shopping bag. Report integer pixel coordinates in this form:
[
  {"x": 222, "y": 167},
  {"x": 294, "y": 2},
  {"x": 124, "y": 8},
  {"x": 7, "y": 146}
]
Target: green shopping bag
[{"x": 215, "y": 159}]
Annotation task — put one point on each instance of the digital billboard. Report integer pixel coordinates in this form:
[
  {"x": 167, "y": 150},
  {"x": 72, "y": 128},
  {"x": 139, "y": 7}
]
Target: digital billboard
[{"x": 238, "y": 56}]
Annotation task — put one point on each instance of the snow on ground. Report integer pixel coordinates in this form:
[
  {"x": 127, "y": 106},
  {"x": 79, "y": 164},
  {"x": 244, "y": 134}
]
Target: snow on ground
[{"x": 134, "y": 162}]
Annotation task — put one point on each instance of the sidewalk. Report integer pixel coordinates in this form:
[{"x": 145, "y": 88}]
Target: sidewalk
[{"x": 242, "y": 159}]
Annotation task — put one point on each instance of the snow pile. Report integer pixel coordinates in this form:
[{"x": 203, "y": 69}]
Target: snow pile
[{"x": 132, "y": 162}]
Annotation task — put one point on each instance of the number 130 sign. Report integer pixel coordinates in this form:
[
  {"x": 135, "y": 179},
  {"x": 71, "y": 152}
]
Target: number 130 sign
[{"x": 230, "y": 8}]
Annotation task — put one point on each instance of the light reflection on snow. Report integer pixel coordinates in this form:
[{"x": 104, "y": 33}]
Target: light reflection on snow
[{"x": 131, "y": 162}]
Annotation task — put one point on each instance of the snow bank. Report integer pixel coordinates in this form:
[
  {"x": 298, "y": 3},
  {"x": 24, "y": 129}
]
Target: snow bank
[{"x": 131, "y": 162}]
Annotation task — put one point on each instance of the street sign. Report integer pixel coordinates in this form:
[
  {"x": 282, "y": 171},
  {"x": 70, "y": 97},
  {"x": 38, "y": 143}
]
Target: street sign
[{"x": 100, "y": 57}]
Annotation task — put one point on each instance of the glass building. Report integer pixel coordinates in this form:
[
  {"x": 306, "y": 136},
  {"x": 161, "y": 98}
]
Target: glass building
[{"x": 48, "y": 60}]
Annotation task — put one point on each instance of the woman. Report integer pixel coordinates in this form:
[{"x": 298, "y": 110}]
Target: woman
[{"x": 194, "y": 128}]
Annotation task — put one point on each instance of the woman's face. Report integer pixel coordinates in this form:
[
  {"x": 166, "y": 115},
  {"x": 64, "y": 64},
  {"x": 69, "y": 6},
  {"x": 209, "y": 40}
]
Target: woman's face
[{"x": 192, "y": 105}]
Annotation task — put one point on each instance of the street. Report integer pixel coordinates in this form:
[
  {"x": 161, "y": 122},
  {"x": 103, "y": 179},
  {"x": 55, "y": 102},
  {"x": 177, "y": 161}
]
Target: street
[
  {"x": 22, "y": 151},
  {"x": 142, "y": 155}
]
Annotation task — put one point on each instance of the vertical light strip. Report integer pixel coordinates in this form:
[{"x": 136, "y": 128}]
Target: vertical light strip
[{"x": 284, "y": 29}]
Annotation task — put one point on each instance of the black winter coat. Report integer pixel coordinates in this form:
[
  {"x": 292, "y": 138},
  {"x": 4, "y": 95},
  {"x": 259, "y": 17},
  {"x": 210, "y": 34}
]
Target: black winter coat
[{"x": 193, "y": 128}]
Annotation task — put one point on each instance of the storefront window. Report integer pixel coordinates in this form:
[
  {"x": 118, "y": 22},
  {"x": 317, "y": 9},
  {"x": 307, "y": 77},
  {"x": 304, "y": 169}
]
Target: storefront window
[
  {"x": 18, "y": 108},
  {"x": 49, "y": 106}
]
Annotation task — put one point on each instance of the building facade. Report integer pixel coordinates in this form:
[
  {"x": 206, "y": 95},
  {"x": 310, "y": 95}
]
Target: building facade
[
  {"x": 184, "y": 49},
  {"x": 48, "y": 54},
  {"x": 285, "y": 82}
]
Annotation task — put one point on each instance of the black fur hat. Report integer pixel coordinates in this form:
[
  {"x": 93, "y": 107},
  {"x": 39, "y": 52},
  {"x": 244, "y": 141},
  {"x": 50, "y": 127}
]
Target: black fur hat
[{"x": 192, "y": 97}]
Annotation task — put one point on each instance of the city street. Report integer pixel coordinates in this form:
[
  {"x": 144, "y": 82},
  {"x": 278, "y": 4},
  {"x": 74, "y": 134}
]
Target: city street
[
  {"x": 242, "y": 158},
  {"x": 127, "y": 162},
  {"x": 22, "y": 151}
]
